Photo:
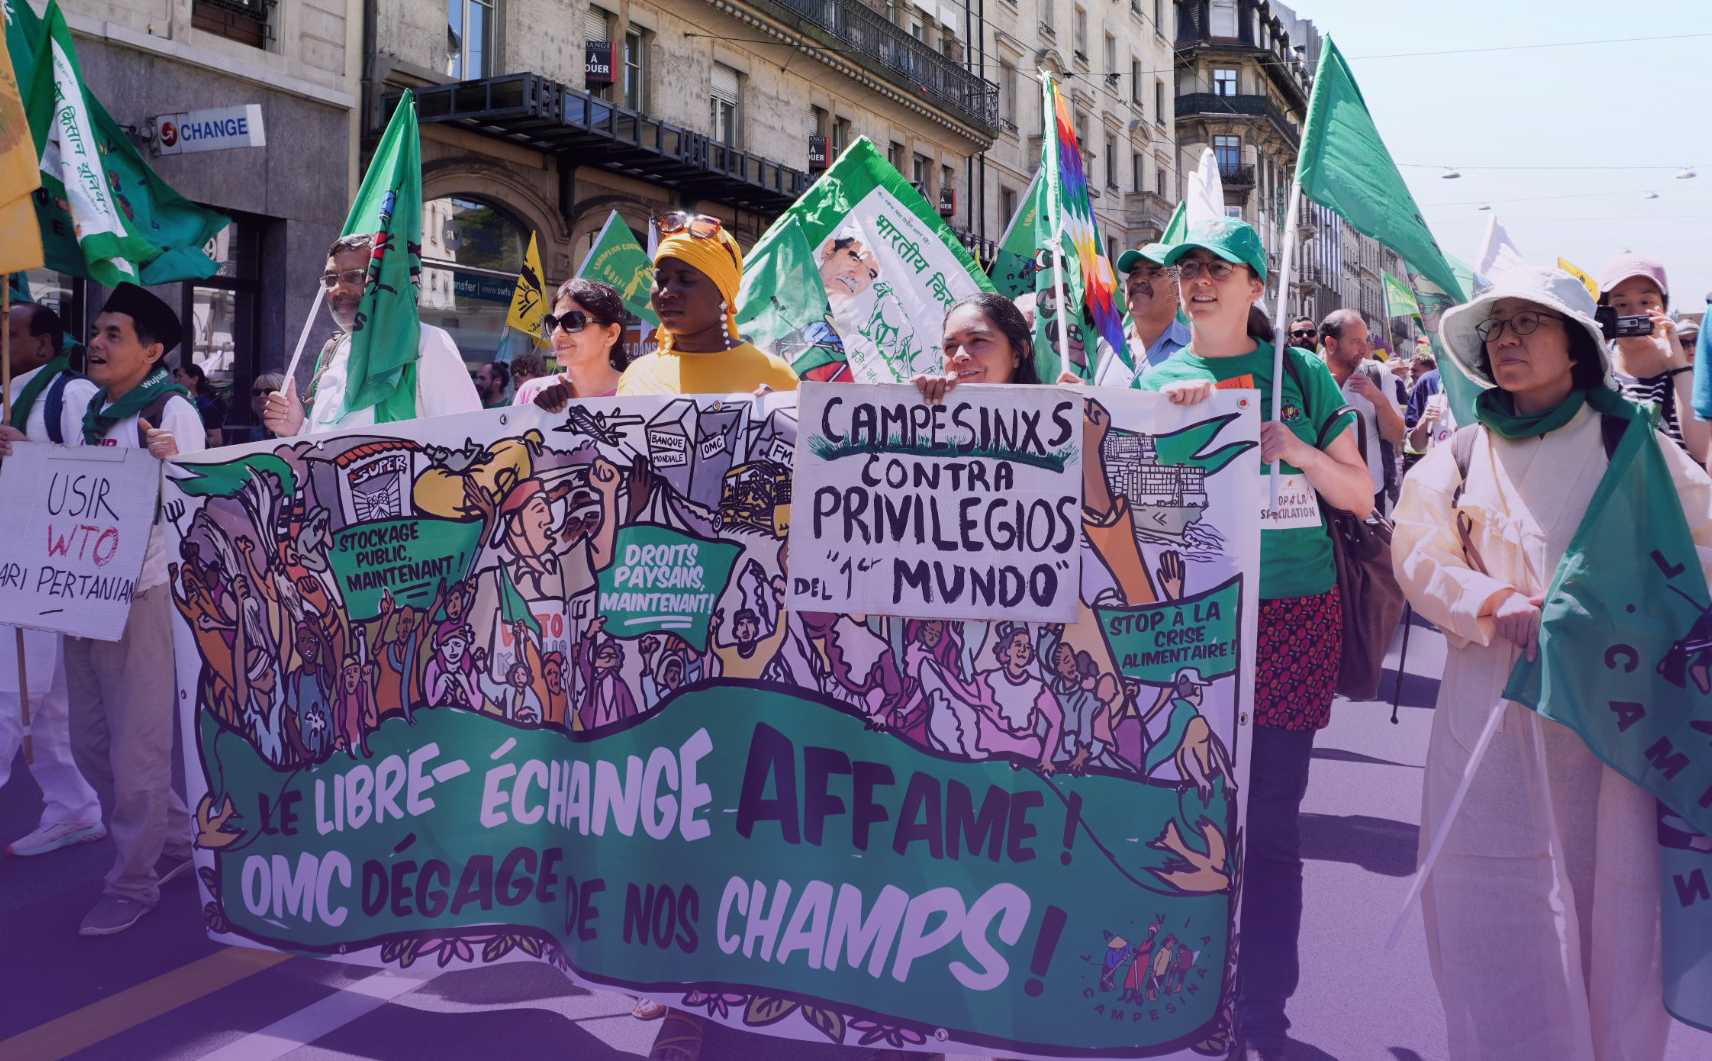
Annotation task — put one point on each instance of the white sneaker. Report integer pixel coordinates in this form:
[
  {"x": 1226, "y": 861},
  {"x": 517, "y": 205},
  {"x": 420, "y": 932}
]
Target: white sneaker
[{"x": 55, "y": 836}]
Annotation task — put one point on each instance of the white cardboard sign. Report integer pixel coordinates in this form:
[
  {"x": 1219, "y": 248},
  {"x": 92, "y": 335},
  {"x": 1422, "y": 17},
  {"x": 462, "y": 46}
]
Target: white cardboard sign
[{"x": 73, "y": 531}]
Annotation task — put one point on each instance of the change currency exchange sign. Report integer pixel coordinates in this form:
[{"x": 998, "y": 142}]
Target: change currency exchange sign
[{"x": 597, "y": 737}]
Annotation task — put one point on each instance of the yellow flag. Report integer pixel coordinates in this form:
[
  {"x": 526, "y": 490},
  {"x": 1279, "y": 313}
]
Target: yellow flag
[
  {"x": 20, "y": 175},
  {"x": 529, "y": 300},
  {"x": 1586, "y": 281}
]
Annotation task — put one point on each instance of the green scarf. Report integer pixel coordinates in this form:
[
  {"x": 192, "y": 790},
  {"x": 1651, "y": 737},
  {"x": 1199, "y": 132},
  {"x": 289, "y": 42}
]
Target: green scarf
[
  {"x": 33, "y": 390},
  {"x": 1496, "y": 409},
  {"x": 97, "y": 423}
]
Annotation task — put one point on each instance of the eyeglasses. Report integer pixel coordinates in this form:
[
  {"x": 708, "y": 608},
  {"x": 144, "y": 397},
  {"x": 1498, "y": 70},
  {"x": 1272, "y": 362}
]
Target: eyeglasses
[
  {"x": 1190, "y": 268},
  {"x": 701, "y": 226},
  {"x": 574, "y": 321},
  {"x": 257, "y": 392},
  {"x": 1688, "y": 341},
  {"x": 354, "y": 277},
  {"x": 1521, "y": 324},
  {"x": 1309, "y": 334}
]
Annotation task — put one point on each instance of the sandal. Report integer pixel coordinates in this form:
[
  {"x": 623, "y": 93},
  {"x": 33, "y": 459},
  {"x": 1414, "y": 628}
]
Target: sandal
[
  {"x": 679, "y": 1037},
  {"x": 648, "y": 1009}
]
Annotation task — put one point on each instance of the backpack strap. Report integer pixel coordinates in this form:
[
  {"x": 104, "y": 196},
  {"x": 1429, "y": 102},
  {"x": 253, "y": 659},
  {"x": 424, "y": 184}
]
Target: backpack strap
[
  {"x": 152, "y": 413},
  {"x": 55, "y": 409}
]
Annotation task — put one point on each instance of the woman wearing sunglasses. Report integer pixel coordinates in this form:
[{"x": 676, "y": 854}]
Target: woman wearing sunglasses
[
  {"x": 1542, "y": 912},
  {"x": 586, "y": 329},
  {"x": 1221, "y": 270},
  {"x": 697, "y": 270}
]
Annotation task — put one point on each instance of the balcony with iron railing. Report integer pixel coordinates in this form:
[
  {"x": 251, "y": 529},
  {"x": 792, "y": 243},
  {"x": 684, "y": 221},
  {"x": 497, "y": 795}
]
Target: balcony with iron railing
[
  {"x": 1214, "y": 104},
  {"x": 861, "y": 34},
  {"x": 1236, "y": 176},
  {"x": 1147, "y": 212}
]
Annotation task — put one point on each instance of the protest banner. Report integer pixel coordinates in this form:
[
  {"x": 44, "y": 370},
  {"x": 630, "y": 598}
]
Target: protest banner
[
  {"x": 952, "y": 510},
  {"x": 72, "y": 536},
  {"x": 920, "y": 834},
  {"x": 888, "y": 264}
]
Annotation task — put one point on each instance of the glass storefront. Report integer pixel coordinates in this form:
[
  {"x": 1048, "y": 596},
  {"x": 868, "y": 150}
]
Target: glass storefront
[{"x": 471, "y": 254}]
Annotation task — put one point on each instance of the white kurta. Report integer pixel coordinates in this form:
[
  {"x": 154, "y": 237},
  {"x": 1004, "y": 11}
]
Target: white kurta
[
  {"x": 1542, "y": 916},
  {"x": 443, "y": 385}
]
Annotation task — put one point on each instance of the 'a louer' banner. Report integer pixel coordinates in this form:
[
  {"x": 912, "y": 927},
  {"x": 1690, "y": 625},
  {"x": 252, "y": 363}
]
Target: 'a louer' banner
[{"x": 523, "y": 686}]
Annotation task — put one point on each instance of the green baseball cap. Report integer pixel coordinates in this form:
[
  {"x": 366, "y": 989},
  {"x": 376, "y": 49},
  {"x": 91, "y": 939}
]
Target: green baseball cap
[
  {"x": 1153, "y": 252},
  {"x": 1230, "y": 238}
]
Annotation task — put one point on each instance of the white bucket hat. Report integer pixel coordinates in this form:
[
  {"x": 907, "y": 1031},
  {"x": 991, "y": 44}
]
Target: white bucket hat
[{"x": 1553, "y": 289}]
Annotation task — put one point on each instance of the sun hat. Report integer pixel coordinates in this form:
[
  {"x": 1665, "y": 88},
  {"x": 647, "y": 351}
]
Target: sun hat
[
  {"x": 1153, "y": 252},
  {"x": 1552, "y": 289},
  {"x": 1626, "y": 266},
  {"x": 1230, "y": 238}
]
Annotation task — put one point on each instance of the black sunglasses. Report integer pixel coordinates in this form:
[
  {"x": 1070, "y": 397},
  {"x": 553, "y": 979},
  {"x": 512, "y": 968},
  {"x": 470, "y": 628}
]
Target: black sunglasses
[{"x": 574, "y": 321}]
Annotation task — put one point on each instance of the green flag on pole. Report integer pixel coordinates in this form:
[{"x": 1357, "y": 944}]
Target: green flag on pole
[
  {"x": 1399, "y": 300},
  {"x": 1345, "y": 167},
  {"x": 384, "y": 340},
  {"x": 1016, "y": 263},
  {"x": 130, "y": 225},
  {"x": 618, "y": 261},
  {"x": 1625, "y": 646},
  {"x": 513, "y": 608},
  {"x": 782, "y": 305}
]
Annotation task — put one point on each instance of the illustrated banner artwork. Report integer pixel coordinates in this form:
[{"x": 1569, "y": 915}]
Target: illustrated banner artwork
[
  {"x": 73, "y": 533},
  {"x": 560, "y": 711},
  {"x": 961, "y": 510}
]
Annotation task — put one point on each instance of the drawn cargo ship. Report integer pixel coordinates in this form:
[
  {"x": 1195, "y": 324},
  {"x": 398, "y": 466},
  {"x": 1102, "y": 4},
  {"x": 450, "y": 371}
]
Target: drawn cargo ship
[{"x": 1163, "y": 499}]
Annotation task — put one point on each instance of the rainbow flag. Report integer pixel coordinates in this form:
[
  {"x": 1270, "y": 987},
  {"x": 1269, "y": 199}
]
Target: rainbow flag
[{"x": 1091, "y": 287}]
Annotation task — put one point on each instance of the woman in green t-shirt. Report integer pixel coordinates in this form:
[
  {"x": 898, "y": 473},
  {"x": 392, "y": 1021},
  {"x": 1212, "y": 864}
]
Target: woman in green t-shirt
[{"x": 1221, "y": 272}]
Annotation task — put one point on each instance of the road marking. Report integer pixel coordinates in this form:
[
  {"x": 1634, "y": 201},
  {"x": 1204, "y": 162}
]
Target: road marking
[
  {"x": 135, "y": 1005},
  {"x": 296, "y": 1030}
]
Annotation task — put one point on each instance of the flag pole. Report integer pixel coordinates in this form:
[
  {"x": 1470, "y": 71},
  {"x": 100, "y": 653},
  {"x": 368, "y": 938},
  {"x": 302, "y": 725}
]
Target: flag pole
[
  {"x": 6, "y": 414},
  {"x": 1280, "y": 323},
  {"x": 303, "y": 336}
]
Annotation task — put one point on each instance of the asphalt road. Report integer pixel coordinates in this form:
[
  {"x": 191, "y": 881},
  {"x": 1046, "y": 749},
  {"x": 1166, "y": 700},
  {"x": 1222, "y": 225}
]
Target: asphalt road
[{"x": 163, "y": 992}]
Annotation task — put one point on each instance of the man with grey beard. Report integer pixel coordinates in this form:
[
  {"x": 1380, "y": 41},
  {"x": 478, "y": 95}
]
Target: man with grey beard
[{"x": 442, "y": 380}]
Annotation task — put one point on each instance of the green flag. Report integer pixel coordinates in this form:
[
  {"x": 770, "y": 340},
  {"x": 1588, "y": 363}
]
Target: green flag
[
  {"x": 618, "y": 261},
  {"x": 1399, "y": 300},
  {"x": 782, "y": 305},
  {"x": 384, "y": 340},
  {"x": 1344, "y": 166},
  {"x": 158, "y": 233},
  {"x": 513, "y": 608},
  {"x": 1625, "y": 646},
  {"x": 1017, "y": 261},
  {"x": 1177, "y": 227}
]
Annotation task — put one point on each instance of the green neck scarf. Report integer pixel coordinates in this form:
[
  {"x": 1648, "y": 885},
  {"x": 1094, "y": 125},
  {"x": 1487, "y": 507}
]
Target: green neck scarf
[
  {"x": 1496, "y": 409},
  {"x": 33, "y": 390},
  {"x": 97, "y": 423}
]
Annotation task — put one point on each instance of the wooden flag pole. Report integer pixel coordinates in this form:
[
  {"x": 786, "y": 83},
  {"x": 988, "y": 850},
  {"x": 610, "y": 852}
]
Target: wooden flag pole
[{"x": 6, "y": 401}]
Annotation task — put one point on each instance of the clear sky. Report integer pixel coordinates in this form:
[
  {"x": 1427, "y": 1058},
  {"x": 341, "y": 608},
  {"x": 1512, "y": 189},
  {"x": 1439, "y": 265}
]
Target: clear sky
[{"x": 1638, "y": 104}]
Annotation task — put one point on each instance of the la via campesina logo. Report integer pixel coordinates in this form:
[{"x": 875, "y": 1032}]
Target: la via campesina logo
[{"x": 1292, "y": 413}]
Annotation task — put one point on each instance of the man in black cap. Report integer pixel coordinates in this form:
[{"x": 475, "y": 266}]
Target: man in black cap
[{"x": 122, "y": 692}]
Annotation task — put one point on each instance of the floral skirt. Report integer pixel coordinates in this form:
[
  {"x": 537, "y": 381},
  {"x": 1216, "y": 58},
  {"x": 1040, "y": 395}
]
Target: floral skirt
[{"x": 1301, "y": 645}]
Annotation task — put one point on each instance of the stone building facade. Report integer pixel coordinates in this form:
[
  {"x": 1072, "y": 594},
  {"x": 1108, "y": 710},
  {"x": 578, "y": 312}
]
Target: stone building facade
[{"x": 299, "y": 60}]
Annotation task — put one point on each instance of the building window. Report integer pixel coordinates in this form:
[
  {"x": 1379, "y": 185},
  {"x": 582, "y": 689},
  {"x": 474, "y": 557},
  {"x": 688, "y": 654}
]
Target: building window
[
  {"x": 1135, "y": 81},
  {"x": 469, "y": 38},
  {"x": 1159, "y": 101},
  {"x": 244, "y": 21},
  {"x": 1112, "y": 162},
  {"x": 1224, "y": 82},
  {"x": 1007, "y": 92},
  {"x": 1111, "y": 57},
  {"x": 1007, "y": 204},
  {"x": 920, "y": 167},
  {"x": 727, "y": 105},
  {"x": 636, "y": 70},
  {"x": 1140, "y": 172},
  {"x": 1224, "y": 19},
  {"x": 471, "y": 252},
  {"x": 1228, "y": 151},
  {"x": 1159, "y": 15},
  {"x": 1048, "y": 16},
  {"x": 597, "y": 28},
  {"x": 895, "y": 155},
  {"x": 1159, "y": 182},
  {"x": 1081, "y": 124},
  {"x": 1079, "y": 33},
  {"x": 840, "y": 136}
]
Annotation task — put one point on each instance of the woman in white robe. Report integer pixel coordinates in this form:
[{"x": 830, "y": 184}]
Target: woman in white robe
[{"x": 1542, "y": 913}]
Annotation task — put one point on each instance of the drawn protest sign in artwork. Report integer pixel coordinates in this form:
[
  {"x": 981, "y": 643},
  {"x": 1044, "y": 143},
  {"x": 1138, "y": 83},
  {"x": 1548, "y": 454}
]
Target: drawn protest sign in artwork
[
  {"x": 929, "y": 834},
  {"x": 965, "y": 510},
  {"x": 73, "y": 534}
]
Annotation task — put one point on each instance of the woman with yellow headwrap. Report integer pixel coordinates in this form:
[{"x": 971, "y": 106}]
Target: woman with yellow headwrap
[{"x": 697, "y": 270}]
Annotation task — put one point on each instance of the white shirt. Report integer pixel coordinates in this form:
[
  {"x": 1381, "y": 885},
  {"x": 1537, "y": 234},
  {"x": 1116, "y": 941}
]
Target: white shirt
[
  {"x": 1370, "y": 421},
  {"x": 180, "y": 417},
  {"x": 443, "y": 385},
  {"x": 75, "y": 395}
]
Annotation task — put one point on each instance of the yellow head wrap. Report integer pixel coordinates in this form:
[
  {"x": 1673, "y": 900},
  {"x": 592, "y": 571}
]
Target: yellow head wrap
[{"x": 718, "y": 258}]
